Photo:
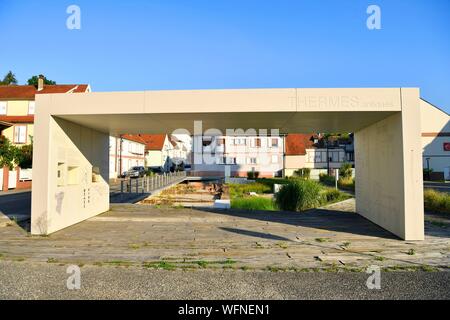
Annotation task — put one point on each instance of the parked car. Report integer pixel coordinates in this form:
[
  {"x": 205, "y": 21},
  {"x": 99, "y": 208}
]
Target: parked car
[{"x": 136, "y": 172}]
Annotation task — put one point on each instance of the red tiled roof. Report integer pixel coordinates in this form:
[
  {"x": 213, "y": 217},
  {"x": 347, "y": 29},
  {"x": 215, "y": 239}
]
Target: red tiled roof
[
  {"x": 17, "y": 119},
  {"x": 133, "y": 137},
  {"x": 28, "y": 92},
  {"x": 153, "y": 141},
  {"x": 297, "y": 143}
]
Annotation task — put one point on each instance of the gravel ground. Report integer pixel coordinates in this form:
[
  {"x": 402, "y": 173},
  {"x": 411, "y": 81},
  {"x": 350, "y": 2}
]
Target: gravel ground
[{"x": 23, "y": 280}]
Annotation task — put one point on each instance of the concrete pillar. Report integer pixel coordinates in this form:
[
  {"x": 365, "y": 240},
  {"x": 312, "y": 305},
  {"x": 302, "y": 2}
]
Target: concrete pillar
[
  {"x": 389, "y": 186},
  {"x": 70, "y": 174}
]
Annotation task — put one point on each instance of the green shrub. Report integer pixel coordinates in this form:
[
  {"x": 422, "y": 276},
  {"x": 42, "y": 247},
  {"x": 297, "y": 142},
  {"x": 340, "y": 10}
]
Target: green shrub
[
  {"x": 304, "y": 173},
  {"x": 253, "y": 203},
  {"x": 239, "y": 190},
  {"x": 253, "y": 175},
  {"x": 346, "y": 170},
  {"x": 299, "y": 195},
  {"x": 327, "y": 179},
  {"x": 347, "y": 184},
  {"x": 436, "y": 201},
  {"x": 332, "y": 195}
]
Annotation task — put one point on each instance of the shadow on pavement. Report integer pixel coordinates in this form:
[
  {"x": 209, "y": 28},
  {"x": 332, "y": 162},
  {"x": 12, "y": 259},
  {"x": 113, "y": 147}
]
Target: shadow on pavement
[
  {"x": 330, "y": 220},
  {"x": 255, "y": 234}
]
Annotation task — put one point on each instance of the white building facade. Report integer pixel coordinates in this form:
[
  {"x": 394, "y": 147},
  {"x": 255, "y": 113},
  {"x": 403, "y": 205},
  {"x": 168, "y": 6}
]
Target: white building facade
[
  {"x": 241, "y": 154},
  {"x": 125, "y": 152},
  {"x": 435, "y": 141}
]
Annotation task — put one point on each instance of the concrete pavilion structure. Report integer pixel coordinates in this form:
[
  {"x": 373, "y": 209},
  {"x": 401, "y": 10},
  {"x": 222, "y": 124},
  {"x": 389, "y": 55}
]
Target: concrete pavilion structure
[{"x": 70, "y": 183}]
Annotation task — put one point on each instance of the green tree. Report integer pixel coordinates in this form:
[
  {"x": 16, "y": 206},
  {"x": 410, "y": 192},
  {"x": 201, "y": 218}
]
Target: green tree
[
  {"x": 24, "y": 156},
  {"x": 33, "y": 81},
  {"x": 9, "y": 79},
  {"x": 8, "y": 153}
]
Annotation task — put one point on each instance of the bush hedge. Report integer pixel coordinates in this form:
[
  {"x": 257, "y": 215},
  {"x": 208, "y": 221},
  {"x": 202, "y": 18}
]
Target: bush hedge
[
  {"x": 299, "y": 195},
  {"x": 436, "y": 201}
]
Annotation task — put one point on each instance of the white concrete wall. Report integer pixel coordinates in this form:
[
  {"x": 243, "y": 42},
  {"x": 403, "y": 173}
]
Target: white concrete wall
[
  {"x": 70, "y": 191},
  {"x": 389, "y": 186}
]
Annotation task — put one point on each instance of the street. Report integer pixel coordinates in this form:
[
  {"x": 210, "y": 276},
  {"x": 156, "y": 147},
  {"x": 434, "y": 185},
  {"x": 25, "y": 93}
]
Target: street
[
  {"x": 438, "y": 186},
  {"x": 23, "y": 280}
]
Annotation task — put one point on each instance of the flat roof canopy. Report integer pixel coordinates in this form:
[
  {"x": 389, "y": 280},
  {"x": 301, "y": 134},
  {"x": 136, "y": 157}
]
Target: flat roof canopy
[
  {"x": 289, "y": 110},
  {"x": 386, "y": 123}
]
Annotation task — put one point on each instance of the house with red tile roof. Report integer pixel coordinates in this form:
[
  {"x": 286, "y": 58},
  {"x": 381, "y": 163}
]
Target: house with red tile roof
[
  {"x": 17, "y": 107},
  {"x": 309, "y": 151},
  {"x": 163, "y": 151}
]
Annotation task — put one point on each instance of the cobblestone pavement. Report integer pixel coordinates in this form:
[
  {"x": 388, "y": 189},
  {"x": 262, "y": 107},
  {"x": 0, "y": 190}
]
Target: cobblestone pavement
[{"x": 332, "y": 238}]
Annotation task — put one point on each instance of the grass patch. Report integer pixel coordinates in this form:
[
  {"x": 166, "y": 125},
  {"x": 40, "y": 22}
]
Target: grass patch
[
  {"x": 240, "y": 190},
  {"x": 380, "y": 258},
  {"x": 424, "y": 268},
  {"x": 344, "y": 183},
  {"x": 202, "y": 263},
  {"x": 411, "y": 252},
  {"x": 52, "y": 260},
  {"x": 322, "y": 240},
  {"x": 435, "y": 201},
  {"x": 159, "y": 265},
  {"x": 134, "y": 246},
  {"x": 330, "y": 195},
  {"x": 282, "y": 245},
  {"x": 253, "y": 203},
  {"x": 228, "y": 262},
  {"x": 346, "y": 244},
  {"x": 118, "y": 263},
  {"x": 271, "y": 181},
  {"x": 439, "y": 224}
]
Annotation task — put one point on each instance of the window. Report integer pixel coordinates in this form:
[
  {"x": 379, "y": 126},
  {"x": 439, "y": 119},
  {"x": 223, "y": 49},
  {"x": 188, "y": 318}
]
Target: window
[
  {"x": 240, "y": 160},
  {"x": 20, "y": 134},
  {"x": 231, "y": 160},
  {"x": 31, "y": 107},
  {"x": 274, "y": 143},
  {"x": 220, "y": 141},
  {"x": 334, "y": 156},
  {"x": 318, "y": 157},
  {"x": 61, "y": 173},
  {"x": 3, "y": 105},
  {"x": 251, "y": 160},
  {"x": 255, "y": 143}
]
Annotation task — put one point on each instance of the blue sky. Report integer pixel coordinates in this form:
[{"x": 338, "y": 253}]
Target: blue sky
[{"x": 145, "y": 45}]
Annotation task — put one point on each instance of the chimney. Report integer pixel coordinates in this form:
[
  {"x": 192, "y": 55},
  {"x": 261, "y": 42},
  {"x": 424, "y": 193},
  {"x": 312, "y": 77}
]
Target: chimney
[{"x": 40, "y": 82}]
